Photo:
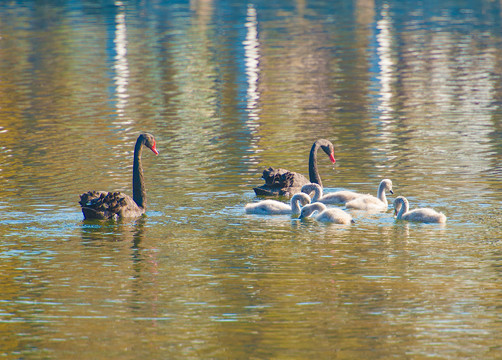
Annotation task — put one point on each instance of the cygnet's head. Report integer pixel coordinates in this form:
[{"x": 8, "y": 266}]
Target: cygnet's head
[
  {"x": 386, "y": 184},
  {"x": 308, "y": 210}
]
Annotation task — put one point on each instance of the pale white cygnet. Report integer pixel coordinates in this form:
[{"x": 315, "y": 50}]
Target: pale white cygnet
[
  {"x": 426, "y": 215},
  {"x": 369, "y": 202},
  {"x": 274, "y": 207},
  {"x": 332, "y": 215},
  {"x": 337, "y": 197}
]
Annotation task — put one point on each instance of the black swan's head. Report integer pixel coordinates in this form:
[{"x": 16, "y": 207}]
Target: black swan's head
[
  {"x": 328, "y": 148},
  {"x": 149, "y": 142}
]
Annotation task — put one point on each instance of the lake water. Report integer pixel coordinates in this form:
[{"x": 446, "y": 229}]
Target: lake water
[{"x": 406, "y": 90}]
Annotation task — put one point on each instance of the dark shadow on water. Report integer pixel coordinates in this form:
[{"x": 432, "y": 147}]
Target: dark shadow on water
[
  {"x": 138, "y": 262},
  {"x": 95, "y": 231}
]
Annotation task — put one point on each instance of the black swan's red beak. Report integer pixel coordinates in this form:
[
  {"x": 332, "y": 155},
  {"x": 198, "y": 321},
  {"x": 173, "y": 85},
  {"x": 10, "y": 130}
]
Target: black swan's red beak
[{"x": 154, "y": 149}]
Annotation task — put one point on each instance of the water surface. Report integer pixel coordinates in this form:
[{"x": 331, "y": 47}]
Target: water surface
[{"x": 409, "y": 91}]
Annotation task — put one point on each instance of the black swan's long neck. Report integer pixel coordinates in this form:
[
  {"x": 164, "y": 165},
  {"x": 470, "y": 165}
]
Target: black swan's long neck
[
  {"x": 138, "y": 180},
  {"x": 314, "y": 176}
]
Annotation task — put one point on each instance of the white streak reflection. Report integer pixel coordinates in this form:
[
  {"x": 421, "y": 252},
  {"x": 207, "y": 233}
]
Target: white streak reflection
[
  {"x": 387, "y": 75},
  {"x": 252, "y": 61},
  {"x": 386, "y": 63},
  {"x": 121, "y": 66}
]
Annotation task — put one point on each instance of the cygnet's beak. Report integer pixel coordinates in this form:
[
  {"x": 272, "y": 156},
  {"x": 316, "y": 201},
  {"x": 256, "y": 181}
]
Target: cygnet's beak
[{"x": 392, "y": 192}]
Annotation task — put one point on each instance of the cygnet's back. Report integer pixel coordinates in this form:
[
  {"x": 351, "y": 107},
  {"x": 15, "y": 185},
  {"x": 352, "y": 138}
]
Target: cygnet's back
[
  {"x": 338, "y": 197},
  {"x": 425, "y": 215},
  {"x": 371, "y": 203},
  {"x": 335, "y": 215},
  {"x": 274, "y": 207},
  {"x": 332, "y": 215},
  {"x": 268, "y": 207}
]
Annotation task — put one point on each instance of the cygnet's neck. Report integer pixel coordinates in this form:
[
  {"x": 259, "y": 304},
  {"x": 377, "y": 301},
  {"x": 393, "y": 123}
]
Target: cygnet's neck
[
  {"x": 319, "y": 207},
  {"x": 405, "y": 206},
  {"x": 297, "y": 201},
  {"x": 381, "y": 192},
  {"x": 316, "y": 188}
]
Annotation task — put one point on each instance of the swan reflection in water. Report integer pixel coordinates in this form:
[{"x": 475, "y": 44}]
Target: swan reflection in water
[{"x": 122, "y": 230}]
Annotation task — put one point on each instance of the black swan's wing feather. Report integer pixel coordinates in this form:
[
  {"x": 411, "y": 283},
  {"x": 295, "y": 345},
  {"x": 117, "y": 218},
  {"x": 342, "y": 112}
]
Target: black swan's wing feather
[
  {"x": 106, "y": 205},
  {"x": 280, "y": 182}
]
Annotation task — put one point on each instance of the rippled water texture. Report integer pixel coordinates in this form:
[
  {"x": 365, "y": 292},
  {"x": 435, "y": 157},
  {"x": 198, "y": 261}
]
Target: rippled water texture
[{"x": 405, "y": 90}]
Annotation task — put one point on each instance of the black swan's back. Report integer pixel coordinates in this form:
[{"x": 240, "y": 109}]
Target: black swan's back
[
  {"x": 108, "y": 205},
  {"x": 280, "y": 182}
]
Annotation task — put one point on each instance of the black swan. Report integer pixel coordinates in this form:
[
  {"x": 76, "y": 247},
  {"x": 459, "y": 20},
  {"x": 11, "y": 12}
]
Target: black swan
[
  {"x": 287, "y": 183},
  {"x": 112, "y": 205}
]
